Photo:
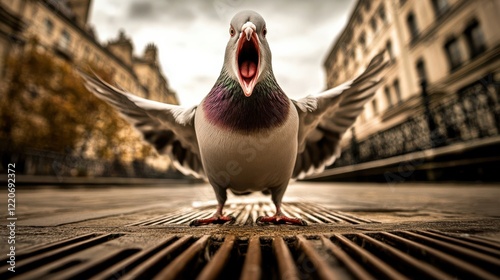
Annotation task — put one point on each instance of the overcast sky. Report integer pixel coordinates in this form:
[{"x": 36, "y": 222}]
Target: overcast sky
[{"x": 191, "y": 37}]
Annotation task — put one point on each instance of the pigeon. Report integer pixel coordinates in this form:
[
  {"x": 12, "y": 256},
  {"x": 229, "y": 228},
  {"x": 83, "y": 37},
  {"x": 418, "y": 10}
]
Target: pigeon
[{"x": 246, "y": 135}]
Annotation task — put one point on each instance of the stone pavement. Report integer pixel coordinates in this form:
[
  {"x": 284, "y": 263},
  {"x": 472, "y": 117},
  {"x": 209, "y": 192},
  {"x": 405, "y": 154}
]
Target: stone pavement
[
  {"x": 75, "y": 206},
  {"x": 146, "y": 213}
]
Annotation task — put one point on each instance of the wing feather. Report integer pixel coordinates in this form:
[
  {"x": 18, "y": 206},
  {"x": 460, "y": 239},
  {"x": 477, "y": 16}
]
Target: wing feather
[
  {"x": 169, "y": 128},
  {"x": 325, "y": 117}
]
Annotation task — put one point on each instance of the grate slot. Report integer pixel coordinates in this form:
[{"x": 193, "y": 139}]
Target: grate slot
[
  {"x": 329, "y": 214},
  {"x": 408, "y": 264},
  {"x": 260, "y": 211},
  {"x": 166, "y": 218},
  {"x": 152, "y": 265},
  {"x": 220, "y": 259},
  {"x": 45, "y": 248},
  {"x": 124, "y": 267},
  {"x": 483, "y": 241},
  {"x": 319, "y": 217},
  {"x": 482, "y": 260},
  {"x": 187, "y": 216},
  {"x": 241, "y": 211},
  {"x": 357, "y": 270},
  {"x": 480, "y": 240},
  {"x": 496, "y": 241},
  {"x": 459, "y": 242},
  {"x": 46, "y": 257},
  {"x": 367, "y": 259},
  {"x": 442, "y": 260},
  {"x": 93, "y": 267},
  {"x": 303, "y": 212},
  {"x": 268, "y": 210},
  {"x": 244, "y": 215},
  {"x": 254, "y": 215},
  {"x": 62, "y": 267},
  {"x": 284, "y": 259},
  {"x": 320, "y": 264},
  {"x": 179, "y": 264},
  {"x": 347, "y": 218},
  {"x": 253, "y": 260},
  {"x": 339, "y": 216},
  {"x": 186, "y": 219}
]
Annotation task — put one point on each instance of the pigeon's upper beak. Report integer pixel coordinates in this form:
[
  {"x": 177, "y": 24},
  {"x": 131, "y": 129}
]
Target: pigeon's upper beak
[{"x": 248, "y": 58}]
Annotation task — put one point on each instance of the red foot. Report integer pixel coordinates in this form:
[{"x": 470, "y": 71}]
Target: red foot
[
  {"x": 213, "y": 220},
  {"x": 281, "y": 219}
]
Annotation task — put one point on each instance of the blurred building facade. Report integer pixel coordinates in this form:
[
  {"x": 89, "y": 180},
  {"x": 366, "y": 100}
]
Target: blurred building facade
[
  {"x": 440, "y": 94},
  {"x": 61, "y": 28}
]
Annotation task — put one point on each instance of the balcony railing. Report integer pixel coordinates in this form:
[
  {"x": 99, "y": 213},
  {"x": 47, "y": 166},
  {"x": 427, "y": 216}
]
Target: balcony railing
[{"x": 473, "y": 113}]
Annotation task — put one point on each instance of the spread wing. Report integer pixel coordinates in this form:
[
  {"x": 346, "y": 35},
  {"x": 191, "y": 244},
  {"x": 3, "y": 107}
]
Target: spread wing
[
  {"x": 169, "y": 128},
  {"x": 325, "y": 117}
]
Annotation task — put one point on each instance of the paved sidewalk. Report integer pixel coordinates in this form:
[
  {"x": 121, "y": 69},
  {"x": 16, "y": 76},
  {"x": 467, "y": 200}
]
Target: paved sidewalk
[{"x": 72, "y": 231}]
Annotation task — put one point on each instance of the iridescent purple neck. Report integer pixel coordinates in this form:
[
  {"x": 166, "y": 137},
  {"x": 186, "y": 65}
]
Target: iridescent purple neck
[{"x": 226, "y": 106}]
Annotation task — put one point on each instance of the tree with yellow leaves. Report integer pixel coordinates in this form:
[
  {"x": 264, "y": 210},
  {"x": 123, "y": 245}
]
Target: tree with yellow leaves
[{"x": 44, "y": 106}]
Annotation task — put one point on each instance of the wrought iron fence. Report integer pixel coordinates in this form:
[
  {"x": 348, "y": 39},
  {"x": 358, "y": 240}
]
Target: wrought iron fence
[{"x": 473, "y": 113}]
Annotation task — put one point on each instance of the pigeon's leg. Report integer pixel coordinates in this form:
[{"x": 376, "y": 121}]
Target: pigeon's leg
[
  {"x": 218, "y": 217},
  {"x": 279, "y": 217}
]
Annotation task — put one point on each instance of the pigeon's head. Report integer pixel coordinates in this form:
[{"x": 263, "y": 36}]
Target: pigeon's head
[{"x": 248, "y": 56}]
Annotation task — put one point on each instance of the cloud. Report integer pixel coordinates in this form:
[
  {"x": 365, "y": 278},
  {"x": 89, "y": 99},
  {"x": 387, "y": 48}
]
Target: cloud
[
  {"x": 141, "y": 10},
  {"x": 192, "y": 35}
]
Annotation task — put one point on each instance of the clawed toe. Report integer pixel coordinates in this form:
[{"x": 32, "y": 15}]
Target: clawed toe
[{"x": 230, "y": 219}]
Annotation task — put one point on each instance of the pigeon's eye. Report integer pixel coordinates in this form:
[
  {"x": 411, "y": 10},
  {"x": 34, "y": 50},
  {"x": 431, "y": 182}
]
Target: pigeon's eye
[
  {"x": 231, "y": 31},
  {"x": 264, "y": 31}
]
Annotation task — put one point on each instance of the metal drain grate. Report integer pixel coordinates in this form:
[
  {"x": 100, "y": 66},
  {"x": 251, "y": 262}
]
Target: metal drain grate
[
  {"x": 371, "y": 255},
  {"x": 247, "y": 213}
]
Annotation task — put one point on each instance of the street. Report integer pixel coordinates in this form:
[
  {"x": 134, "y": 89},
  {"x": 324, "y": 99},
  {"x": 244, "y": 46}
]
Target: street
[{"x": 144, "y": 215}]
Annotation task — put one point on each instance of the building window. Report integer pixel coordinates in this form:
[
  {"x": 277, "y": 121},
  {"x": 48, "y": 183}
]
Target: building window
[
  {"x": 388, "y": 96},
  {"x": 65, "y": 40},
  {"x": 440, "y": 6},
  {"x": 86, "y": 52},
  {"x": 373, "y": 24},
  {"x": 475, "y": 39},
  {"x": 97, "y": 59},
  {"x": 374, "y": 107},
  {"x": 452, "y": 49},
  {"x": 362, "y": 40},
  {"x": 388, "y": 47},
  {"x": 422, "y": 75},
  {"x": 397, "y": 90},
  {"x": 49, "y": 26},
  {"x": 412, "y": 25},
  {"x": 359, "y": 19},
  {"x": 381, "y": 13},
  {"x": 368, "y": 4}
]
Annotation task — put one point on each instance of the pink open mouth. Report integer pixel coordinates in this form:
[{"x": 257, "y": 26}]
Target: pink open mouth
[{"x": 247, "y": 58}]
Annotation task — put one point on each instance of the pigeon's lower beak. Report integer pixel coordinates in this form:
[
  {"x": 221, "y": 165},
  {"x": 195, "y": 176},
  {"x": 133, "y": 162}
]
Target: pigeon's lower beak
[{"x": 248, "y": 59}]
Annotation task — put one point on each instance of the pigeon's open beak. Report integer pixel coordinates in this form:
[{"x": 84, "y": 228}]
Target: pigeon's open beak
[{"x": 248, "y": 58}]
